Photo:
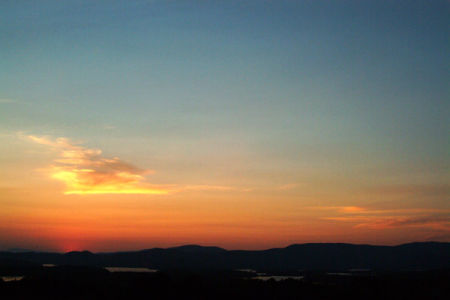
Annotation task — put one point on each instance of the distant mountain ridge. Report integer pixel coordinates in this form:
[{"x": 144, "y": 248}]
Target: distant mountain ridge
[{"x": 312, "y": 256}]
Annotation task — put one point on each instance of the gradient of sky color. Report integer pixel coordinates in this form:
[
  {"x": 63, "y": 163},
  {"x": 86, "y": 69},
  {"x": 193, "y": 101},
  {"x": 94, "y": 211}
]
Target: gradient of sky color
[{"x": 242, "y": 124}]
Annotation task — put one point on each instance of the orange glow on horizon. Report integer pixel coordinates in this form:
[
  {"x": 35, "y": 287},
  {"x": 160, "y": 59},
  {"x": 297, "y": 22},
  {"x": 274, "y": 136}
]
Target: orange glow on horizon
[{"x": 111, "y": 208}]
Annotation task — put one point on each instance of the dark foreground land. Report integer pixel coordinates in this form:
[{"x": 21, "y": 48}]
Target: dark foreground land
[
  {"x": 310, "y": 271},
  {"x": 95, "y": 283}
]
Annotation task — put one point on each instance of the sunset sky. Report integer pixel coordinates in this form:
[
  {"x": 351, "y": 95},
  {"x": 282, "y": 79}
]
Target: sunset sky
[{"x": 241, "y": 124}]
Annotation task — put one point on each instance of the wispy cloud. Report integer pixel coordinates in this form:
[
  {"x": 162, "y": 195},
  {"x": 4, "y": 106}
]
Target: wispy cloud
[
  {"x": 438, "y": 219},
  {"x": 86, "y": 171},
  {"x": 435, "y": 221},
  {"x": 340, "y": 209}
]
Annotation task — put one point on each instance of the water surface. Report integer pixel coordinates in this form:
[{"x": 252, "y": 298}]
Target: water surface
[
  {"x": 277, "y": 278},
  {"x": 132, "y": 270},
  {"x": 12, "y": 278}
]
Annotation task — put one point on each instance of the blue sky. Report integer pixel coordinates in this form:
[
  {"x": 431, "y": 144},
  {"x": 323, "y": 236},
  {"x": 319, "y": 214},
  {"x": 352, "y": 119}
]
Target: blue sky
[{"x": 356, "y": 76}]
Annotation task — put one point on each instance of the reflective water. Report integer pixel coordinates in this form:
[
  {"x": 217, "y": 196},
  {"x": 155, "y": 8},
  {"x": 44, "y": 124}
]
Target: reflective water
[
  {"x": 277, "y": 278},
  {"x": 48, "y": 265},
  {"x": 132, "y": 270},
  {"x": 340, "y": 274},
  {"x": 12, "y": 278},
  {"x": 246, "y": 270}
]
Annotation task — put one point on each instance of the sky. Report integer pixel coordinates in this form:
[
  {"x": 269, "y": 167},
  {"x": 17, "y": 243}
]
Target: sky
[{"x": 252, "y": 124}]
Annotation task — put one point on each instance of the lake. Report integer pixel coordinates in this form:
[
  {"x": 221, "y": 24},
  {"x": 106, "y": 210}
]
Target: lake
[
  {"x": 11, "y": 278},
  {"x": 130, "y": 270},
  {"x": 277, "y": 278}
]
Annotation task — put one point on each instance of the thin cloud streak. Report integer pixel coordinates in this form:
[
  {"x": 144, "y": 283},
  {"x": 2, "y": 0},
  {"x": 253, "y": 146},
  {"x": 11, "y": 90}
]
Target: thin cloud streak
[
  {"x": 438, "y": 222},
  {"x": 379, "y": 219},
  {"x": 340, "y": 209}
]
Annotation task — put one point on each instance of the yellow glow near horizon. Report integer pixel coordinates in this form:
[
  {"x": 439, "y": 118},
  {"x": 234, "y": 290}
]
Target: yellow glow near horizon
[
  {"x": 86, "y": 200},
  {"x": 78, "y": 186},
  {"x": 85, "y": 171},
  {"x": 115, "y": 190}
]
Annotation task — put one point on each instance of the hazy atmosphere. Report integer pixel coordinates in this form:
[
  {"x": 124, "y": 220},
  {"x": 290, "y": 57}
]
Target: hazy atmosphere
[{"x": 253, "y": 124}]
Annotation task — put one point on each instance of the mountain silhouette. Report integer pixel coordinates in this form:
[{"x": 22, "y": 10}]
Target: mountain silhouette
[{"x": 318, "y": 256}]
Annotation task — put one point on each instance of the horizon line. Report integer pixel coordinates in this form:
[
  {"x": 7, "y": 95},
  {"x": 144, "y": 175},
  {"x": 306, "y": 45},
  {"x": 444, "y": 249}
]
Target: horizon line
[{"x": 19, "y": 250}]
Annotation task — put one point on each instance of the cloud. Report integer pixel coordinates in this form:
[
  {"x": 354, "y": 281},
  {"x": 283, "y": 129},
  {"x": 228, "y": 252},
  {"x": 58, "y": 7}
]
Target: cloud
[
  {"x": 438, "y": 219},
  {"x": 341, "y": 209},
  {"x": 358, "y": 210},
  {"x": 86, "y": 171}
]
